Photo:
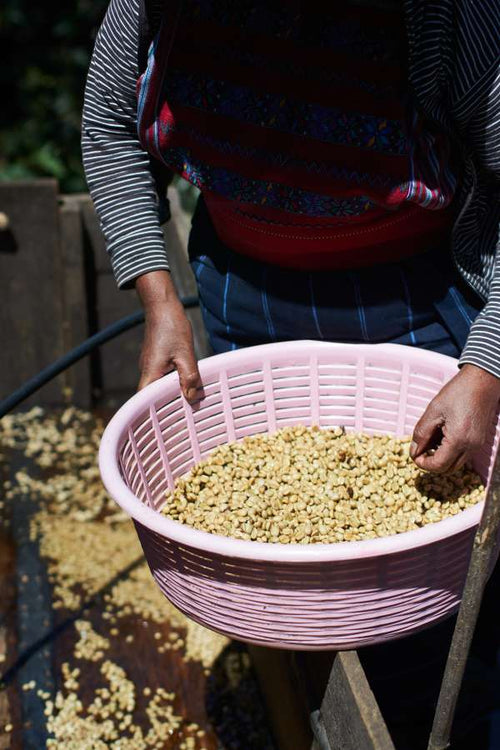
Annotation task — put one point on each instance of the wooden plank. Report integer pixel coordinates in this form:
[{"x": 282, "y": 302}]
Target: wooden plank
[
  {"x": 75, "y": 313},
  {"x": 349, "y": 712},
  {"x": 114, "y": 367},
  {"x": 31, "y": 310},
  {"x": 286, "y": 710},
  {"x": 34, "y": 613}
]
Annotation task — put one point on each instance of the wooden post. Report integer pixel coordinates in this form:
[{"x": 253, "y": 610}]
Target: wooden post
[
  {"x": 349, "y": 717},
  {"x": 287, "y": 712},
  {"x": 481, "y": 563}
]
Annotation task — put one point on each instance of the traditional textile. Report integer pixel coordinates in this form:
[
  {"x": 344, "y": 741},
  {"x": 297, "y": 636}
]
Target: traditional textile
[{"x": 287, "y": 152}]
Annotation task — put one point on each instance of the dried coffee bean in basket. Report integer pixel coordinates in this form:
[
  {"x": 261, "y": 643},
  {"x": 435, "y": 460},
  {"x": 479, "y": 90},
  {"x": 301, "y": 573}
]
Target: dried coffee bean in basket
[{"x": 309, "y": 485}]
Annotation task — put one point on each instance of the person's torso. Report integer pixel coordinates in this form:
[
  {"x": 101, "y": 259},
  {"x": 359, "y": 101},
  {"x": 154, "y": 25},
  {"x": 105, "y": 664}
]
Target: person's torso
[{"x": 296, "y": 122}]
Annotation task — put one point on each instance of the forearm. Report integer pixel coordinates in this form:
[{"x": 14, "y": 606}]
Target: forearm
[
  {"x": 129, "y": 219},
  {"x": 482, "y": 348},
  {"x": 480, "y": 125},
  {"x": 168, "y": 339}
]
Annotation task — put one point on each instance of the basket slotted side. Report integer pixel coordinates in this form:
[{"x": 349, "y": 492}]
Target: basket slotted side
[{"x": 377, "y": 595}]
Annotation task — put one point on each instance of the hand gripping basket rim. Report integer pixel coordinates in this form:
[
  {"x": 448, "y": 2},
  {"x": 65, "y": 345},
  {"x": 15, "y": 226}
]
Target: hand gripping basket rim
[{"x": 117, "y": 429}]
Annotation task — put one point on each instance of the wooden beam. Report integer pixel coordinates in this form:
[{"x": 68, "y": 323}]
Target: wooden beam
[
  {"x": 292, "y": 685},
  {"x": 287, "y": 713},
  {"x": 349, "y": 714}
]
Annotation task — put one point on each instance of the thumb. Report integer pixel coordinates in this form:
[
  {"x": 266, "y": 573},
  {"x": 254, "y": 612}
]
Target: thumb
[
  {"x": 427, "y": 433},
  {"x": 449, "y": 456}
]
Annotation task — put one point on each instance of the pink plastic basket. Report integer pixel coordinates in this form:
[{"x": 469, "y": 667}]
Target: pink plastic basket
[{"x": 335, "y": 596}]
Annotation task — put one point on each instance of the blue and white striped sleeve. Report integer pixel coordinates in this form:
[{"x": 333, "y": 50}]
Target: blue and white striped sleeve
[
  {"x": 116, "y": 166},
  {"x": 483, "y": 343}
]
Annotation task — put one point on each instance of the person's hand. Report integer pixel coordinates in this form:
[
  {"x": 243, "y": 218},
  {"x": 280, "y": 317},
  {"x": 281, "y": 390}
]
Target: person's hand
[
  {"x": 168, "y": 338},
  {"x": 457, "y": 421}
]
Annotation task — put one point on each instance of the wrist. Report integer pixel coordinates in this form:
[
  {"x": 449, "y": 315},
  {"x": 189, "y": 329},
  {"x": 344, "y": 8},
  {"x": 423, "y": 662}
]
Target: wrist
[
  {"x": 481, "y": 377},
  {"x": 156, "y": 291}
]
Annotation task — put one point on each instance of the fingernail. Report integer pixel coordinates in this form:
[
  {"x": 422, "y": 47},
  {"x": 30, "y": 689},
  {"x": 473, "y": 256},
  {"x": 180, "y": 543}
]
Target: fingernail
[
  {"x": 413, "y": 448},
  {"x": 191, "y": 394}
]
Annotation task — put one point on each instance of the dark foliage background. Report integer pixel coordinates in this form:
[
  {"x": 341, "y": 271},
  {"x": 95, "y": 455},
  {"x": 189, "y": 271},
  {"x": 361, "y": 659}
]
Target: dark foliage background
[{"x": 46, "y": 48}]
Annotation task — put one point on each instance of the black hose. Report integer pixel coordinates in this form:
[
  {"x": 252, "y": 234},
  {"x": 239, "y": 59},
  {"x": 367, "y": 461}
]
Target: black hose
[{"x": 80, "y": 351}]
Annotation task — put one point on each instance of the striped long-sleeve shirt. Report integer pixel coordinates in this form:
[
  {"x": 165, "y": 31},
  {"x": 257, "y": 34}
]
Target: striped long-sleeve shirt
[{"x": 454, "y": 52}]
